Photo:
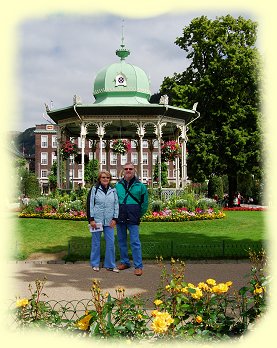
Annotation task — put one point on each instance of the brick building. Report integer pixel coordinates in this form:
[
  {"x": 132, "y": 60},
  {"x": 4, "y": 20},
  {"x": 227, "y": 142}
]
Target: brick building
[{"x": 46, "y": 154}]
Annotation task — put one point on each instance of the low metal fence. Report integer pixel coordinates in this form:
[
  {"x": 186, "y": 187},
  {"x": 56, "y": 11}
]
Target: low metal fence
[{"x": 170, "y": 248}]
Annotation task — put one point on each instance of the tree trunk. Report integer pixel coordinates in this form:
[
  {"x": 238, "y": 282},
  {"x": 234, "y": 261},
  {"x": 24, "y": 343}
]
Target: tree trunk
[{"x": 232, "y": 179}]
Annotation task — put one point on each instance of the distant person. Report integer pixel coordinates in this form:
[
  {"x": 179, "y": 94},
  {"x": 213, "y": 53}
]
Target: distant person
[
  {"x": 133, "y": 204},
  {"x": 102, "y": 208}
]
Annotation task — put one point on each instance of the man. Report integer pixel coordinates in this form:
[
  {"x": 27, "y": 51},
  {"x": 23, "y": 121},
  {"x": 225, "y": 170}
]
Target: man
[{"x": 133, "y": 204}]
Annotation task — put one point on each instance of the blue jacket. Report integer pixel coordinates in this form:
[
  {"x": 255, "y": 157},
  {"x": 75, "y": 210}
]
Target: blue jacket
[
  {"x": 132, "y": 205},
  {"x": 103, "y": 207}
]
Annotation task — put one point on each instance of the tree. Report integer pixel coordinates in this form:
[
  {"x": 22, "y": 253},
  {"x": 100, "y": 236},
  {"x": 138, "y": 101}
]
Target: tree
[
  {"x": 223, "y": 77},
  {"x": 164, "y": 175},
  {"x": 52, "y": 178},
  {"x": 91, "y": 171}
]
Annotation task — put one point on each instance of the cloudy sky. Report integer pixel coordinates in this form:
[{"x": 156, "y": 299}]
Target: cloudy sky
[{"x": 60, "y": 54}]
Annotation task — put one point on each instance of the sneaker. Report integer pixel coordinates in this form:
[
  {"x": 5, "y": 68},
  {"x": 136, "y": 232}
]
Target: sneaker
[
  {"x": 96, "y": 269},
  {"x": 122, "y": 266},
  {"x": 116, "y": 270},
  {"x": 138, "y": 272}
]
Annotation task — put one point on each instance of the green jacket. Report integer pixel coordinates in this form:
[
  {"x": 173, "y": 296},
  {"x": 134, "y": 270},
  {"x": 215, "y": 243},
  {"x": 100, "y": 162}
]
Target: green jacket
[{"x": 133, "y": 201}]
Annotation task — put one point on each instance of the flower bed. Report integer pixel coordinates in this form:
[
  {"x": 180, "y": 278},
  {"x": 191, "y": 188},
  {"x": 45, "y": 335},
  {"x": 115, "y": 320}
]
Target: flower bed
[
  {"x": 73, "y": 215},
  {"x": 182, "y": 310},
  {"x": 244, "y": 208},
  {"x": 182, "y": 214}
]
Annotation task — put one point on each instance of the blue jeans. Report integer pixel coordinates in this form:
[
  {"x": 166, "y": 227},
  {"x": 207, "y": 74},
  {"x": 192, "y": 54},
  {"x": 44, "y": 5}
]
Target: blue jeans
[
  {"x": 134, "y": 242},
  {"x": 109, "y": 261}
]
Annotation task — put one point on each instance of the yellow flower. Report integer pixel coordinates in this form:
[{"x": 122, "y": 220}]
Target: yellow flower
[
  {"x": 229, "y": 283},
  {"x": 198, "y": 294},
  {"x": 167, "y": 287},
  {"x": 203, "y": 286},
  {"x": 154, "y": 313},
  {"x": 22, "y": 302},
  {"x": 83, "y": 324},
  {"x": 259, "y": 289},
  {"x": 184, "y": 290},
  {"x": 198, "y": 319},
  {"x": 220, "y": 288},
  {"x": 161, "y": 322},
  {"x": 158, "y": 302},
  {"x": 139, "y": 316},
  {"x": 211, "y": 281}
]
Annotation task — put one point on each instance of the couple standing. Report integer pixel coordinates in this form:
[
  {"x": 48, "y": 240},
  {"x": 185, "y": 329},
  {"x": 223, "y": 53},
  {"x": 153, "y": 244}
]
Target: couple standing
[{"x": 122, "y": 206}]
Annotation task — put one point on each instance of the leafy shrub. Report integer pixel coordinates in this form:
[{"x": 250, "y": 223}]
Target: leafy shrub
[
  {"x": 205, "y": 203},
  {"x": 157, "y": 205}
]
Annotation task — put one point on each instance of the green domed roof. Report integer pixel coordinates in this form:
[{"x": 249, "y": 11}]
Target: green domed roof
[{"x": 121, "y": 83}]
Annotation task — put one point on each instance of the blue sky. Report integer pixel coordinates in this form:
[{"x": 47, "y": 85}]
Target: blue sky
[{"x": 59, "y": 55}]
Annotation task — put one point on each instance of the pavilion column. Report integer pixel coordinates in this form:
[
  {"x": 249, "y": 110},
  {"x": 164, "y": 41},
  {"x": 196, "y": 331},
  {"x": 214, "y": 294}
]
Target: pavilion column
[
  {"x": 159, "y": 133},
  {"x": 101, "y": 132},
  {"x": 59, "y": 160},
  {"x": 141, "y": 133},
  {"x": 177, "y": 173},
  {"x": 183, "y": 140},
  {"x": 83, "y": 139}
]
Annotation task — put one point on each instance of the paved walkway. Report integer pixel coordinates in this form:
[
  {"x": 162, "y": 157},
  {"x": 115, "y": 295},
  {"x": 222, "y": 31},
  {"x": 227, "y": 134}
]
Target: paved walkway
[{"x": 72, "y": 281}]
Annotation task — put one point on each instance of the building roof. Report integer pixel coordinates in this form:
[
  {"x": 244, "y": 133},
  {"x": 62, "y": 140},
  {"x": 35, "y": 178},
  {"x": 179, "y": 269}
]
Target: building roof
[{"x": 122, "y": 93}]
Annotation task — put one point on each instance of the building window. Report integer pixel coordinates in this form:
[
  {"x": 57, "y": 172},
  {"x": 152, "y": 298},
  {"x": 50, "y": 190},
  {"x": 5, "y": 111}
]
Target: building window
[
  {"x": 49, "y": 127},
  {"x": 134, "y": 158},
  {"x": 144, "y": 144},
  {"x": 54, "y": 157},
  {"x": 44, "y": 141},
  {"x": 145, "y": 174},
  {"x": 145, "y": 158},
  {"x": 90, "y": 156},
  {"x": 123, "y": 159},
  {"x": 44, "y": 173},
  {"x": 155, "y": 157},
  {"x": 79, "y": 173},
  {"x": 54, "y": 141},
  {"x": 155, "y": 144},
  {"x": 104, "y": 158},
  {"x": 113, "y": 173},
  {"x": 44, "y": 158},
  {"x": 133, "y": 144},
  {"x": 113, "y": 158}
]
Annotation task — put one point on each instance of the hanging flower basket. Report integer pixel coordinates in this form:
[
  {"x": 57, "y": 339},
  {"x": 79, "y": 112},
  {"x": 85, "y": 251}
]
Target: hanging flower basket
[
  {"x": 170, "y": 150},
  {"x": 68, "y": 148},
  {"x": 121, "y": 146}
]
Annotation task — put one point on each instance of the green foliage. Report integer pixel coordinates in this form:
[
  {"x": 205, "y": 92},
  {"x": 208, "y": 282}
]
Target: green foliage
[
  {"x": 224, "y": 77},
  {"x": 29, "y": 184},
  {"x": 156, "y": 205},
  {"x": 164, "y": 180},
  {"x": 91, "y": 171},
  {"x": 215, "y": 187},
  {"x": 52, "y": 178}
]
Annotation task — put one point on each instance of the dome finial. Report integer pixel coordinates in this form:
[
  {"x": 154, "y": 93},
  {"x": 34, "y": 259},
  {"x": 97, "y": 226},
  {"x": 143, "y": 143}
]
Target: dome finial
[{"x": 122, "y": 52}]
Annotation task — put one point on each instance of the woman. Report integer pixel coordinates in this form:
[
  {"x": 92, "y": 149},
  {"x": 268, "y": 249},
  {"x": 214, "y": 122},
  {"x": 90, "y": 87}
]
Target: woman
[{"x": 103, "y": 208}]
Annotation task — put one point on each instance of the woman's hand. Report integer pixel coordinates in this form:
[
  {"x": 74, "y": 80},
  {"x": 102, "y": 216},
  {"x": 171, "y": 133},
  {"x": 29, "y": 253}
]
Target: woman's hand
[
  {"x": 113, "y": 223},
  {"x": 93, "y": 224}
]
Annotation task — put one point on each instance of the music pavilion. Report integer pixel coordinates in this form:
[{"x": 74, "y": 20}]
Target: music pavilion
[{"x": 122, "y": 111}]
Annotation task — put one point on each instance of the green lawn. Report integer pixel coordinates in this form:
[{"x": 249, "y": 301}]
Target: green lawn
[{"x": 158, "y": 239}]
